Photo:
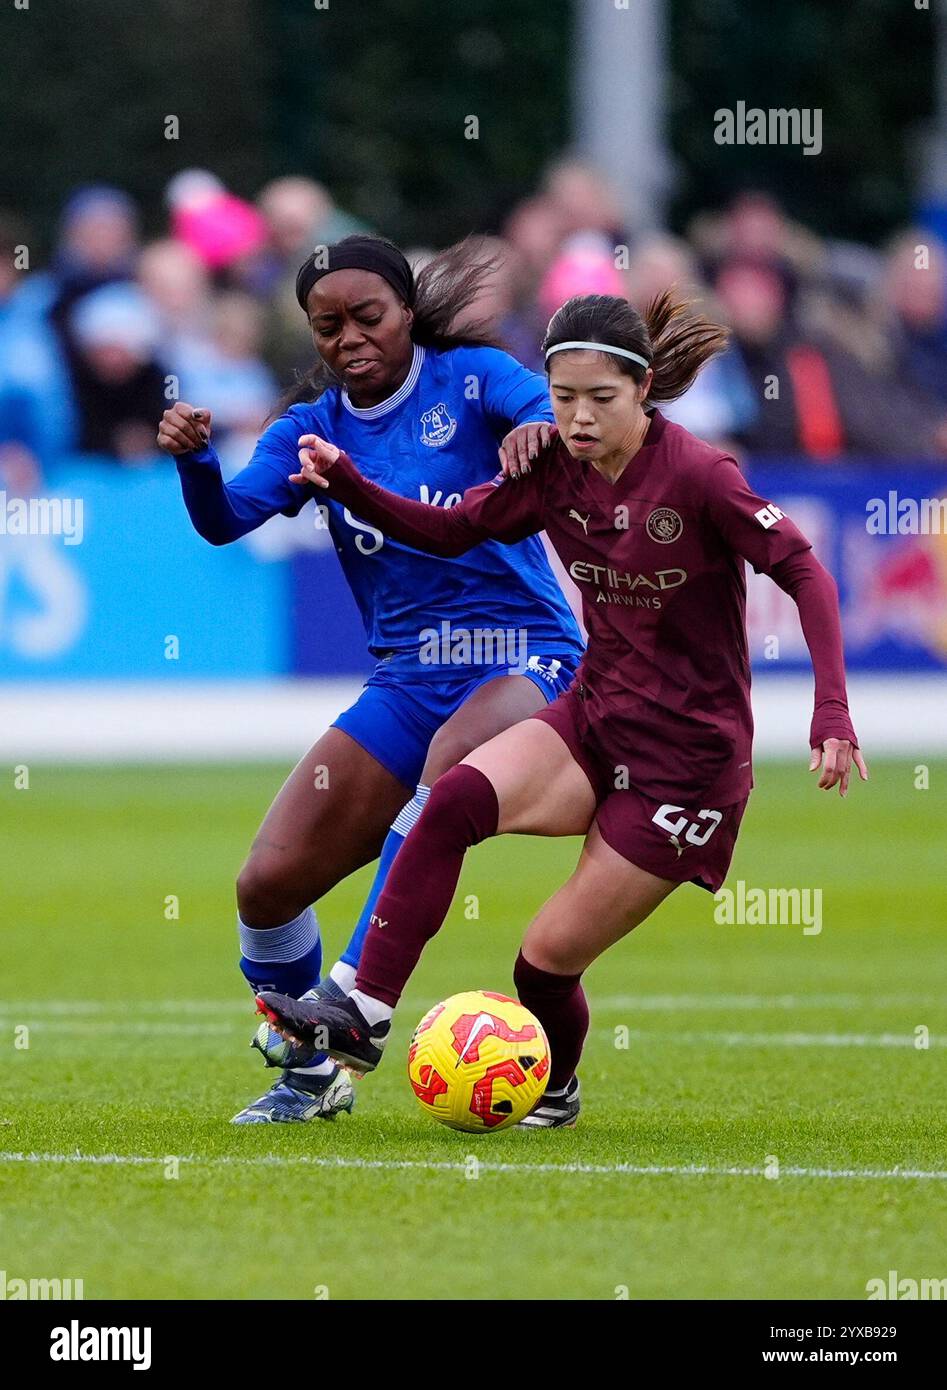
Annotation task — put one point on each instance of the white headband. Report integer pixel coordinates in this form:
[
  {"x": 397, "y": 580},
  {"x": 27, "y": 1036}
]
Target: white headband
[{"x": 600, "y": 347}]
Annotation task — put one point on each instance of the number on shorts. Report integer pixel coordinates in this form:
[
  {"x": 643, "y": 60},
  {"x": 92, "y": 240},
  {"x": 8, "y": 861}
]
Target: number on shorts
[{"x": 697, "y": 834}]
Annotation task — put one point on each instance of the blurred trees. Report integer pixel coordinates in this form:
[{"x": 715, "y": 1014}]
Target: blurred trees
[
  {"x": 867, "y": 64},
  {"x": 373, "y": 97},
  {"x": 377, "y": 99},
  {"x": 87, "y": 86}
]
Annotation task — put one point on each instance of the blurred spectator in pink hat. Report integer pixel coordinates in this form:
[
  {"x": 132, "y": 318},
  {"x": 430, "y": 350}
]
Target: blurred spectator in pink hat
[
  {"x": 585, "y": 264},
  {"x": 220, "y": 227}
]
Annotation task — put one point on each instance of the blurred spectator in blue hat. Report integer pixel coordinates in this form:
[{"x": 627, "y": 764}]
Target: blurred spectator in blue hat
[
  {"x": 97, "y": 246},
  {"x": 120, "y": 385},
  {"x": 97, "y": 243}
]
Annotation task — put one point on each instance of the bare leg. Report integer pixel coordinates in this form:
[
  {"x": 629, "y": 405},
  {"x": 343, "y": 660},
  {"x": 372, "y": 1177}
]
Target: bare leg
[
  {"x": 329, "y": 818},
  {"x": 491, "y": 709},
  {"x": 540, "y": 788},
  {"x": 605, "y": 899}
]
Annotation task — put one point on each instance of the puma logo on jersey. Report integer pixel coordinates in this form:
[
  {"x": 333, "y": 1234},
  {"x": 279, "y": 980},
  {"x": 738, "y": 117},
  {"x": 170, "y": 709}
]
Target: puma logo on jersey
[
  {"x": 582, "y": 520},
  {"x": 769, "y": 515},
  {"x": 378, "y": 921},
  {"x": 677, "y": 845}
]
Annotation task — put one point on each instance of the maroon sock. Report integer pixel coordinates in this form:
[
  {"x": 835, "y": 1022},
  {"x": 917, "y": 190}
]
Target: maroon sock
[
  {"x": 461, "y": 811},
  {"x": 559, "y": 1002}
]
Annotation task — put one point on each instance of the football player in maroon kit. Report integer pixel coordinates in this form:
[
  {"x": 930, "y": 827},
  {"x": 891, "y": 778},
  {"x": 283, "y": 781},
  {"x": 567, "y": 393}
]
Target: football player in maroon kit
[{"x": 648, "y": 754}]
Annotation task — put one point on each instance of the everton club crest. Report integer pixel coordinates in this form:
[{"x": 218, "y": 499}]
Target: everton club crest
[{"x": 437, "y": 426}]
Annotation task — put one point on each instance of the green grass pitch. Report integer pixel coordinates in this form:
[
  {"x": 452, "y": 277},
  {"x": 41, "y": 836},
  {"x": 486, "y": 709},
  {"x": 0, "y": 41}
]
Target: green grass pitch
[{"x": 746, "y": 1044}]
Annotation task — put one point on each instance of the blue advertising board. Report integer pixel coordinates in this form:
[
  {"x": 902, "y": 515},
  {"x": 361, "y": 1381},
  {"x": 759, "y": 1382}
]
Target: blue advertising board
[
  {"x": 123, "y": 587},
  {"x": 130, "y": 590},
  {"x": 881, "y": 529}
]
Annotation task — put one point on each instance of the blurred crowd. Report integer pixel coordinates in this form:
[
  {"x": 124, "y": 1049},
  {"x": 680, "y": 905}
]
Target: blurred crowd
[{"x": 837, "y": 350}]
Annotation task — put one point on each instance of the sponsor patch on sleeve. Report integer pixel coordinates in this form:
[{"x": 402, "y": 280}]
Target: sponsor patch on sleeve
[{"x": 769, "y": 515}]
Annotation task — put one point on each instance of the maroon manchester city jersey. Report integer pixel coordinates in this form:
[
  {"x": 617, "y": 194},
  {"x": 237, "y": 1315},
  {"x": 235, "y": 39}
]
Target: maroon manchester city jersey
[{"x": 658, "y": 558}]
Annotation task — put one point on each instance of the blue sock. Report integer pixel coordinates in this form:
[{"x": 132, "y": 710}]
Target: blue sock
[
  {"x": 287, "y": 959},
  {"x": 406, "y": 819}
]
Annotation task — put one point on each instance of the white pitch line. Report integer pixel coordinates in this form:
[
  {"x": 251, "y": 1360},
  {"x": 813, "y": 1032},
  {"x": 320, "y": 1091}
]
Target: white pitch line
[
  {"x": 18, "y": 1008},
  {"x": 779, "y": 1039},
  {"x": 81, "y": 1028},
  {"x": 672, "y": 1003},
  {"x": 75, "y": 1027},
  {"x": 656, "y": 1003},
  {"x": 689, "y": 1170}
]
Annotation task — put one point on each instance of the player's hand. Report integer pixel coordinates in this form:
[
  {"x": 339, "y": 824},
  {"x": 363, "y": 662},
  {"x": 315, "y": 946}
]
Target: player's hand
[
  {"x": 183, "y": 428},
  {"x": 316, "y": 457},
  {"x": 839, "y": 756},
  {"x": 523, "y": 444}
]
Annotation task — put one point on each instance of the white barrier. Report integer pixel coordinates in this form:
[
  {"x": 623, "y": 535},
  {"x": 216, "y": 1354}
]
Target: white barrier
[{"x": 279, "y": 719}]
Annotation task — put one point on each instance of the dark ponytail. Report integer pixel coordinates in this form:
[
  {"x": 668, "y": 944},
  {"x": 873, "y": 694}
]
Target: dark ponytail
[
  {"x": 676, "y": 341},
  {"x": 445, "y": 287}
]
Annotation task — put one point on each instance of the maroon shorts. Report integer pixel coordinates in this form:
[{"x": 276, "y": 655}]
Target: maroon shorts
[{"x": 673, "y": 840}]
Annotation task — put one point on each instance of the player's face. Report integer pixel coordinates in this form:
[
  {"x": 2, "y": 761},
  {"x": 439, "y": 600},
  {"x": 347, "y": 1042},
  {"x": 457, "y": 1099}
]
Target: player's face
[
  {"x": 360, "y": 329},
  {"x": 598, "y": 409}
]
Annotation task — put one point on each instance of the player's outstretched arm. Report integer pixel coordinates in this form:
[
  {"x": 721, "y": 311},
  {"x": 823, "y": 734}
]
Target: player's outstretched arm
[
  {"x": 832, "y": 736},
  {"x": 487, "y": 512},
  {"x": 222, "y": 512},
  {"x": 760, "y": 532}
]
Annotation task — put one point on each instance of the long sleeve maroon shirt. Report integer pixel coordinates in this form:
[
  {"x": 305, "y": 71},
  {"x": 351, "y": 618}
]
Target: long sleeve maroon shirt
[{"x": 658, "y": 557}]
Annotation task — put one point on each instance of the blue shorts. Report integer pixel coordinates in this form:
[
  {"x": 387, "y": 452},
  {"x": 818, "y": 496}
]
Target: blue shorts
[{"x": 403, "y": 704}]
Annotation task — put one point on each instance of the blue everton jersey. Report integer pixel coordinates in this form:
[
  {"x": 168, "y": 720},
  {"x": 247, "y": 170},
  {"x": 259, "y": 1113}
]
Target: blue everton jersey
[{"x": 436, "y": 436}]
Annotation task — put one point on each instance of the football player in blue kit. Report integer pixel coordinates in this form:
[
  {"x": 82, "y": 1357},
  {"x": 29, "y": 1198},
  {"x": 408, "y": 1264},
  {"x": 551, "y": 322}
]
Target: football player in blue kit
[{"x": 465, "y": 647}]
